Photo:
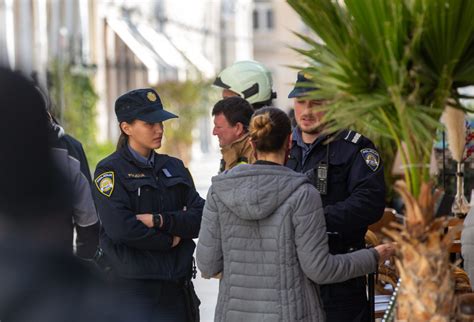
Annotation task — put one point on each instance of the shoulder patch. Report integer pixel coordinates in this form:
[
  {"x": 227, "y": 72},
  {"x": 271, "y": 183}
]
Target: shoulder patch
[
  {"x": 105, "y": 183},
  {"x": 167, "y": 173},
  {"x": 352, "y": 137},
  {"x": 371, "y": 158}
]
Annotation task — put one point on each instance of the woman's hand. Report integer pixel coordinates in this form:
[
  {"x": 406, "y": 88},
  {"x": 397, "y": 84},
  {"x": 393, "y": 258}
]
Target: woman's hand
[
  {"x": 146, "y": 219},
  {"x": 385, "y": 251}
]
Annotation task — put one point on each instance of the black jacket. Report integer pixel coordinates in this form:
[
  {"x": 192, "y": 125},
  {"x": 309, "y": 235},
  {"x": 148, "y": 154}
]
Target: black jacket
[
  {"x": 355, "y": 195},
  {"x": 71, "y": 160},
  {"x": 355, "y": 199},
  {"x": 124, "y": 187}
]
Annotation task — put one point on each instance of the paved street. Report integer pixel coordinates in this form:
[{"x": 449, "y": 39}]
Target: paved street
[{"x": 203, "y": 167}]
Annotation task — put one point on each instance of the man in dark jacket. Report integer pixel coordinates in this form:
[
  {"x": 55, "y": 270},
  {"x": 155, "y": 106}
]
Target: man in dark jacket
[
  {"x": 71, "y": 158},
  {"x": 347, "y": 170}
]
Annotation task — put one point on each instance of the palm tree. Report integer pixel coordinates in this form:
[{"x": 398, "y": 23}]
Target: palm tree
[{"x": 390, "y": 68}]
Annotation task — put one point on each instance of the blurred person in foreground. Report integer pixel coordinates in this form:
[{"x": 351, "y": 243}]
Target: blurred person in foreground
[
  {"x": 231, "y": 121},
  {"x": 263, "y": 227},
  {"x": 347, "y": 170},
  {"x": 40, "y": 280},
  {"x": 150, "y": 213}
]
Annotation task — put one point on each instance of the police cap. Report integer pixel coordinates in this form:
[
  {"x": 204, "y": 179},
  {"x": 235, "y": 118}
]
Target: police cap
[
  {"x": 142, "y": 104},
  {"x": 302, "y": 86}
]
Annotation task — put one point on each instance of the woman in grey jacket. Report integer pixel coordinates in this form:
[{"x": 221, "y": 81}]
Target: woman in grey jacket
[{"x": 263, "y": 227}]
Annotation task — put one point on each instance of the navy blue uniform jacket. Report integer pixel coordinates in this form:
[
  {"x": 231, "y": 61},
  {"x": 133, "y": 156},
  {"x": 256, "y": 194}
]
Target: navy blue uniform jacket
[
  {"x": 355, "y": 195},
  {"x": 355, "y": 199},
  {"x": 124, "y": 187}
]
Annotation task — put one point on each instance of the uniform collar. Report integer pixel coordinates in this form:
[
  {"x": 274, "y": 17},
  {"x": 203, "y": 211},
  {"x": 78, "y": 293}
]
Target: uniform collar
[
  {"x": 133, "y": 156},
  {"x": 297, "y": 138}
]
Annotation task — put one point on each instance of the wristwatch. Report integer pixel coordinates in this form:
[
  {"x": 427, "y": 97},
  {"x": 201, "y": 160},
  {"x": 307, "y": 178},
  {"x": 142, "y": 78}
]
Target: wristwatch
[{"x": 157, "y": 221}]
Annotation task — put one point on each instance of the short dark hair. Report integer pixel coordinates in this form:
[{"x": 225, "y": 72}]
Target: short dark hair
[
  {"x": 269, "y": 129},
  {"x": 235, "y": 110}
]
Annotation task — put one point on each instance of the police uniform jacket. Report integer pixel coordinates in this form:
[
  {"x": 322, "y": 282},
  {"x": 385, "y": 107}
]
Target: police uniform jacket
[
  {"x": 126, "y": 187},
  {"x": 355, "y": 195}
]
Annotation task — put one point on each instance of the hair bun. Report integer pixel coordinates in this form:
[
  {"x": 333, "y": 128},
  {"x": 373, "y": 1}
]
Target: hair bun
[{"x": 260, "y": 126}]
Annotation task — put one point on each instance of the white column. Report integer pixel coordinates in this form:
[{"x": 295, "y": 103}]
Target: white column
[
  {"x": 243, "y": 30},
  {"x": 55, "y": 25},
  {"x": 101, "y": 73},
  {"x": 40, "y": 54},
  {"x": 25, "y": 33},
  {"x": 85, "y": 31},
  {"x": 10, "y": 33}
]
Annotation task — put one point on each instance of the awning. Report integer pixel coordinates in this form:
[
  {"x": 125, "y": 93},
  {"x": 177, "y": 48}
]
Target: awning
[
  {"x": 141, "y": 50},
  {"x": 194, "y": 55},
  {"x": 163, "y": 47}
]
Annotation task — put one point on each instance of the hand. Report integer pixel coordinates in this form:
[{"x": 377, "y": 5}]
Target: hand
[
  {"x": 146, "y": 219},
  {"x": 385, "y": 251},
  {"x": 176, "y": 240}
]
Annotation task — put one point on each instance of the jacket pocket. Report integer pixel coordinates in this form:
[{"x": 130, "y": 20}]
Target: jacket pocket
[{"x": 143, "y": 194}]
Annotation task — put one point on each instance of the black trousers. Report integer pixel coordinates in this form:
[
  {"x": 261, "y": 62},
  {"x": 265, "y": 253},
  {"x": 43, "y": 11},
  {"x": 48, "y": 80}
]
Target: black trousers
[
  {"x": 151, "y": 300},
  {"x": 346, "y": 301}
]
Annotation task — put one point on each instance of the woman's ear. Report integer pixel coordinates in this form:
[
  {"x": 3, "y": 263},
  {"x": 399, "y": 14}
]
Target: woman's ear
[{"x": 126, "y": 128}]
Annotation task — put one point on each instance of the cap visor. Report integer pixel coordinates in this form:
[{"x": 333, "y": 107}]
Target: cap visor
[
  {"x": 157, "y": 116},
  {"x": 296, "y": 92},
  {"x": 301, "y": 91}
]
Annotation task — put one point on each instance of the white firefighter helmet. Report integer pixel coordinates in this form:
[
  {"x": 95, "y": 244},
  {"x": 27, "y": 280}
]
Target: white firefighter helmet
[{"x": 248, "y": 78}]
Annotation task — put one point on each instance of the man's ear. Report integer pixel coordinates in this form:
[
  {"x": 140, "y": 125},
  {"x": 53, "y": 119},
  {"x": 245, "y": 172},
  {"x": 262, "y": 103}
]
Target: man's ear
[
  {"x": 240, "y": 128},
  {"x": 125, "y": 127}
]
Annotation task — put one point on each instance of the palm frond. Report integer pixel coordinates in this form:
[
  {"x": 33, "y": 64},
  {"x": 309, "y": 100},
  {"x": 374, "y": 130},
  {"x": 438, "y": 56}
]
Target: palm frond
[{"x": 388, "y": 67}]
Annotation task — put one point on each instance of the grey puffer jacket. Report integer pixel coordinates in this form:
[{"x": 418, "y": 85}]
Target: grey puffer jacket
[
  {"x": 263, "y": 227},
  {"x": 467, "y": 244}
]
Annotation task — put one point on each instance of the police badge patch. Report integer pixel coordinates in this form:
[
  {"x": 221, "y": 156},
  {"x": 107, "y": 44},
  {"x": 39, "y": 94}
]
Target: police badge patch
[
  {"x": 372, "y": 158},
  {"x": 105, "y": 183},
  {"x": 151, "y": 96}
]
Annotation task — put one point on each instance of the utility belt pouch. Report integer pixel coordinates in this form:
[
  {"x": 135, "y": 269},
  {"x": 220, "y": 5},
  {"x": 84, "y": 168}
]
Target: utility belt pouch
[{"x": 101, "y": 262}]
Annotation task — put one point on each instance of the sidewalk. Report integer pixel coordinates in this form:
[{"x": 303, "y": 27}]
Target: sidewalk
[{"x": 203, "y": 167}]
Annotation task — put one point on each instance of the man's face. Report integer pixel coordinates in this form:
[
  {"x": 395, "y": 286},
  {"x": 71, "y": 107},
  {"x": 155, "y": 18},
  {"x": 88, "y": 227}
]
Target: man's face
[
  {"x": 225, "y": 132},
  {"x": 308, "y": 115}
]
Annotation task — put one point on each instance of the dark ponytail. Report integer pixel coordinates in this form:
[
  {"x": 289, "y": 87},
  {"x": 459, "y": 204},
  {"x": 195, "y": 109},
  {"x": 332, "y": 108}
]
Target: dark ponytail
[{"x": 122, "y": 140}]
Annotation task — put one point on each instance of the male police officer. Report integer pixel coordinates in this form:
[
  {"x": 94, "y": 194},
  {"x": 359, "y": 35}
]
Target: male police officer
[{"x": 347, "y": 171}]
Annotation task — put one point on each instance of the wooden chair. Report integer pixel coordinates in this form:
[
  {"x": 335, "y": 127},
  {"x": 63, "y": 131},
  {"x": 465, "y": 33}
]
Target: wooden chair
[
  {"x": 462, "y": 282},
  {"x": 388, "y": 216}
]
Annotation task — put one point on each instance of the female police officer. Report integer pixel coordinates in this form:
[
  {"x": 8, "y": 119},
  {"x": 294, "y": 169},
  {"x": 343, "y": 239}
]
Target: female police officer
[{"x": 150, "y": 211}]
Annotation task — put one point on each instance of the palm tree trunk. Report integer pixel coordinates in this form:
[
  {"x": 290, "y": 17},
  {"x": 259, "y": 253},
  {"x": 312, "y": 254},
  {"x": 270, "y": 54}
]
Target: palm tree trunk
[{"x": 427, "y": 289}]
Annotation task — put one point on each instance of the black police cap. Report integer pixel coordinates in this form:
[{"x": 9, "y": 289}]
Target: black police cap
[
  {"x": 302, "y": 86},
  {"x": 142, "y": 104}
]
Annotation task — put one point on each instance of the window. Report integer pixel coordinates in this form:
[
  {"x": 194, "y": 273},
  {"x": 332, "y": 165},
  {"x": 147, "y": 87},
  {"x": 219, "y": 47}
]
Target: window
[
  {"x": 269, "y": 19},
  {"x": 263, "y": 16},
  {"x": 255, "y": 20}
]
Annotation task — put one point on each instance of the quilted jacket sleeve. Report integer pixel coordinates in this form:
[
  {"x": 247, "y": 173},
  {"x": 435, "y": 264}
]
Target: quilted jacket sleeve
[
  {"x": 209, "y": 249},
  {"x": 467, "y": 244},
  {"x": 312, "y": 244}
]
